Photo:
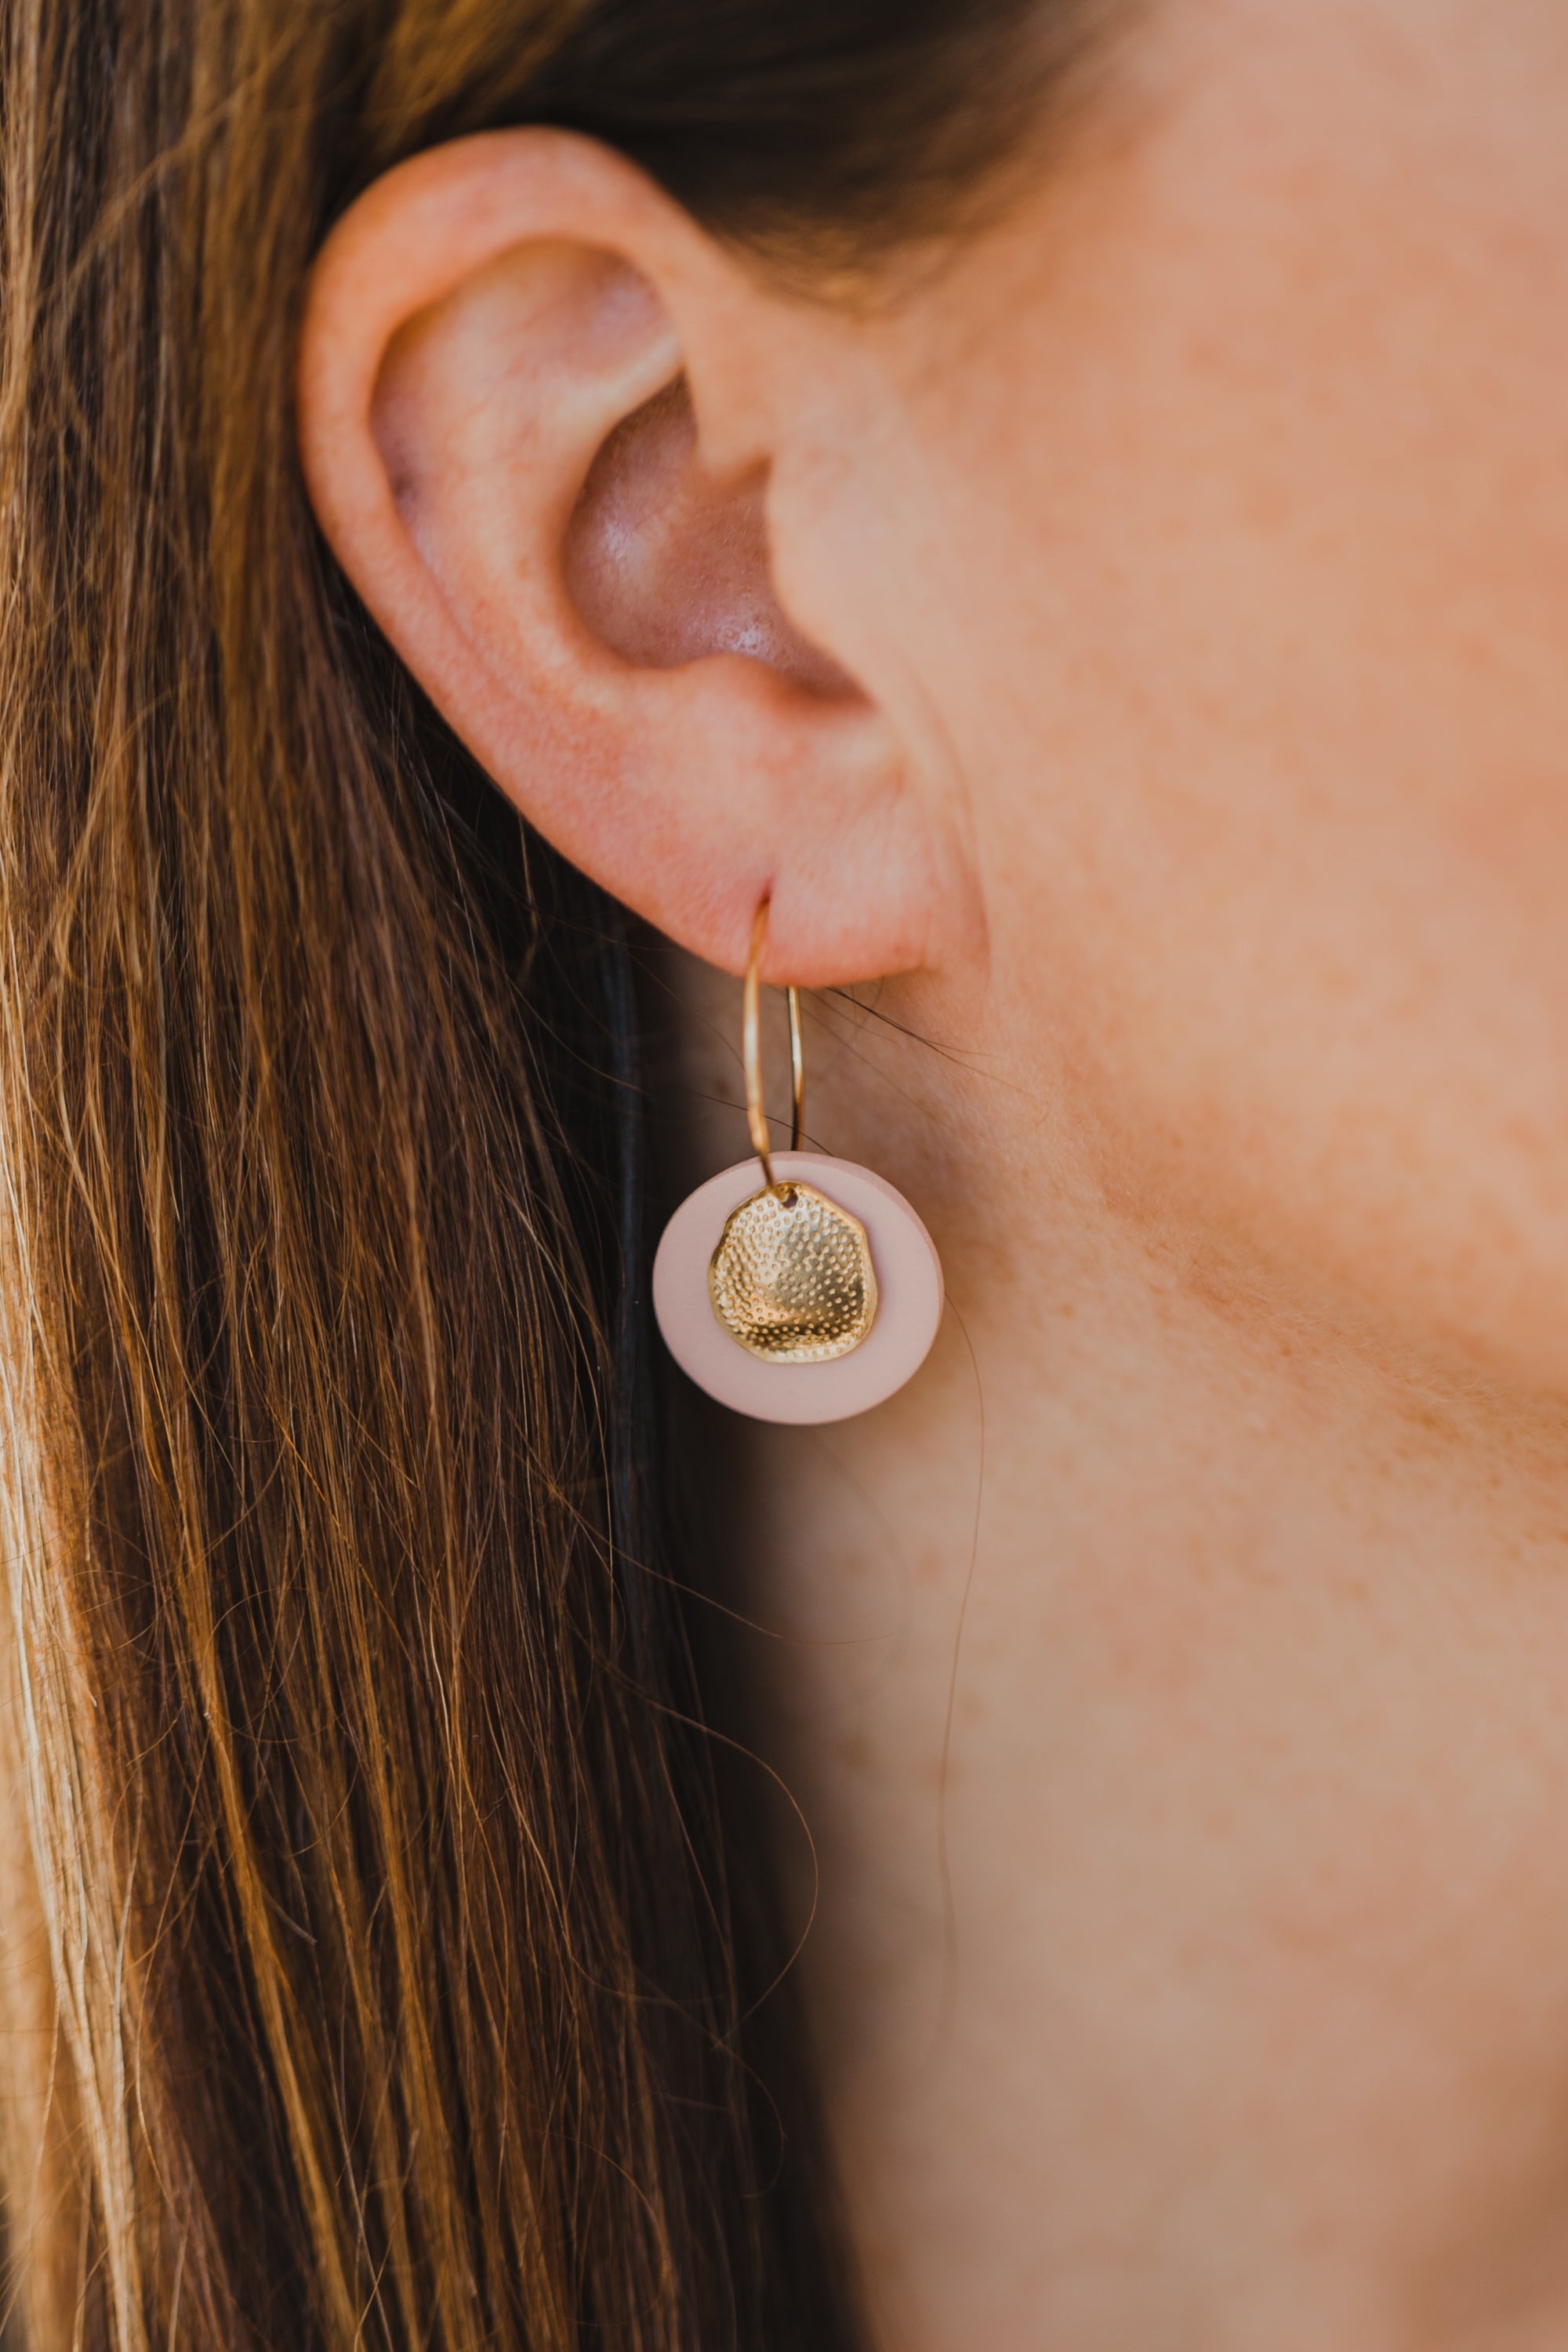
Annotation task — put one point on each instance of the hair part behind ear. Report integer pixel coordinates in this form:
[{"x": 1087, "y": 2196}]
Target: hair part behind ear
[{"x": 824, "y": 136}]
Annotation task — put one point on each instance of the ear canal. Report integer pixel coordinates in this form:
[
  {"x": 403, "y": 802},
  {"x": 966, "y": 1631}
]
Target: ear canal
[{"x": 668, "y": 563}]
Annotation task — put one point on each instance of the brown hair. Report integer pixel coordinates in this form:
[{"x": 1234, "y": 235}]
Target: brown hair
[{"x": 403, "y": 1961}]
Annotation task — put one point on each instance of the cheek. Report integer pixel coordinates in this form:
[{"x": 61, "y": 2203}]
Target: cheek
[{"x": 1264, "y": 707}]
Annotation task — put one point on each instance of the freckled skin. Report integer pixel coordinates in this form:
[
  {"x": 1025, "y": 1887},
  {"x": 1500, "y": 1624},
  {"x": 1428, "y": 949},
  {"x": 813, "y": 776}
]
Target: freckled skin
[{"x": 1190, "y": 1967}]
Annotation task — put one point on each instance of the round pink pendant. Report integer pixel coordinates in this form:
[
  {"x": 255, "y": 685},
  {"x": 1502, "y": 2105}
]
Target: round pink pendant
[{"x": 908, "y": 1296}]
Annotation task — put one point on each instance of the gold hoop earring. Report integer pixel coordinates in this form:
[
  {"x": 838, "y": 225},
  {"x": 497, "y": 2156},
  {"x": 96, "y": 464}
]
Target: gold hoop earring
[
  {"x": 751, "y": 1052},
  {"x": 790, "y": 1279},
  {"x": 810, "y": 1298}
]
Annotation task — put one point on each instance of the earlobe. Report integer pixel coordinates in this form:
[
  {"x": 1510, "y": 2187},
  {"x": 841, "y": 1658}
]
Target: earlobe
[{"x": 503, "y": 449}]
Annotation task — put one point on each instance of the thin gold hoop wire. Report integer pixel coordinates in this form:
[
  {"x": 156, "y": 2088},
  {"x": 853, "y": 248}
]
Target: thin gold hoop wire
[{"x": 751, "y": 1055}]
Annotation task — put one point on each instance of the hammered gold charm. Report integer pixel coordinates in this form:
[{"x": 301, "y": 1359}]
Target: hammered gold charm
[{"x": 792, "y": 1277}]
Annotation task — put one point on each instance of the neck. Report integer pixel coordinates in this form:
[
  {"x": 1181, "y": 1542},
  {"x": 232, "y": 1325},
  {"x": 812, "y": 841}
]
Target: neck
[{"x": 1178, "y": 1704}]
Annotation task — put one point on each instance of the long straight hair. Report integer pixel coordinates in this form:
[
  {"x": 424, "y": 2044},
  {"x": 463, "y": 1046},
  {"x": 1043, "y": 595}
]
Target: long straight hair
[{"x": 404, "y": 1932}]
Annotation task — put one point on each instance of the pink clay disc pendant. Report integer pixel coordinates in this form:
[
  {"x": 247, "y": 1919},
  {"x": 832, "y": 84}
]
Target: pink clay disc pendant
[{"x": 908, "y": 1297}]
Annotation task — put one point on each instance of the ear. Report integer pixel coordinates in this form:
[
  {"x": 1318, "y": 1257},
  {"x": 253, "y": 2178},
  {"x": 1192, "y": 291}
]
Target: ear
[{"x": 540, "y": 413}]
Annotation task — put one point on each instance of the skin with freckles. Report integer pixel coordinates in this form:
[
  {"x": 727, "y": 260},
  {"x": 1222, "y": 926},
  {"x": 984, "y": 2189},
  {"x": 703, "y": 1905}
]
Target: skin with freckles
[{"x": 1129, "y": 649}]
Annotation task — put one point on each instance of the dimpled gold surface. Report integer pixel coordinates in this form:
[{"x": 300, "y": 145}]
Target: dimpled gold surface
[{"x": 792, "y": 1277}]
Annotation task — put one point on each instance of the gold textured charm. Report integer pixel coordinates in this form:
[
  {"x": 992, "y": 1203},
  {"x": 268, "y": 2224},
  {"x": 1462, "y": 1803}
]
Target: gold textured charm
[{"x": 792, "y": 1277}]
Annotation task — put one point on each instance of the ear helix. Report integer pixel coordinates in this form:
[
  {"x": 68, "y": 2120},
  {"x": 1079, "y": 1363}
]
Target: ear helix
[{"x": 809, "y": 1298}]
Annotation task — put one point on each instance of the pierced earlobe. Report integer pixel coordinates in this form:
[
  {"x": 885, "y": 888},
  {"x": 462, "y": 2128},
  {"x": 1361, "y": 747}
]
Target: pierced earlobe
[{"x": 811, "y": 1298}]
